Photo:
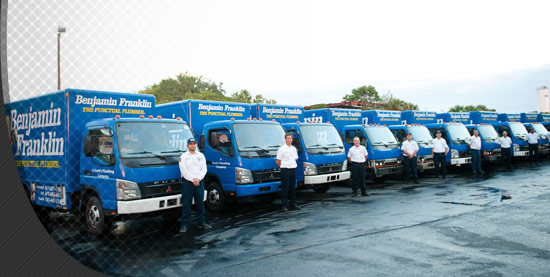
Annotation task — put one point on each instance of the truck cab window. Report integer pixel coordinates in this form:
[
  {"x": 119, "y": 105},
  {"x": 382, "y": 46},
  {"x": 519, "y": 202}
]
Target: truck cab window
[
  {"x": 401, "y": 135},
  {"x": 296, "y": 140},
  {"x": 350, "y": 134},
  {"x": 220, "y": 140},
  {"x": 103, "y": 149}
]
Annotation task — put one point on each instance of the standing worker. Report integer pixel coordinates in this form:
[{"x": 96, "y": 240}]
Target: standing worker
[
  {"x": 193, "y": 169},
  {"x": 475, "y": 148},
  {"x": 410, "y": 148},
  {"x": 505, "y": 143},
  {"x": 533, "y": 141},
  {"x": 357, "y": 156},
  {"x": 286, "y": 160},
  {"x": 439, "y": 152}
]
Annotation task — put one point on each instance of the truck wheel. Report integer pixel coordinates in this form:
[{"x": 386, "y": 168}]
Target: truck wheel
[
  {"x": 95, "y": 217},
  {"x": 216, "y": 200},
  {"x": 321, "y": 188}
]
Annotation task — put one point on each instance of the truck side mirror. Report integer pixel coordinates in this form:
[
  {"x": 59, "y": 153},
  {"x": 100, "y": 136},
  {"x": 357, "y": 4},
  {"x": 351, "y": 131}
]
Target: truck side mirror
[
  {"x": 201, "y": 142},
  {"x": 88, "y": 146}
]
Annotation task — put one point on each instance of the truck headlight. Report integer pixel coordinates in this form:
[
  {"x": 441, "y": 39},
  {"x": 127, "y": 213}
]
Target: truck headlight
[
  {"x": 127, "y": 190},
  {"x": 309, "y": 169},
  {"x": 345, "y": 165},
  {"x": 454, "y": 154},
  {"x": 516, "y": 147},
  {"x": 243, "y": 176}
]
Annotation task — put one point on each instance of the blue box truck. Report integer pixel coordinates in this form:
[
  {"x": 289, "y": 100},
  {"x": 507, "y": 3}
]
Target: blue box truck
[
  {"x": 101, "y": 155},
  {"x": 482, "y": 122},
  {"x": 451, "y": 126},
  {"x": 544, "y": 119},
  {"x": 414, "y": 122},
  {"x": 322, "y": 157},
  {"x": 382, "y": 147},
  {"x": 516, "y": 130},
  {"x": 532, "y": 121},
  {"x": 240, "y": 152}
]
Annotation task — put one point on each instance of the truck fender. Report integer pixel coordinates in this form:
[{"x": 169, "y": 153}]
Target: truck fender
[{"x": 86, "y": 191}]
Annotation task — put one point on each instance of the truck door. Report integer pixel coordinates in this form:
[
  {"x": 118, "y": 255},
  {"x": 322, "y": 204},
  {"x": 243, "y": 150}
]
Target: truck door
[{"x": 220, "y": 157}]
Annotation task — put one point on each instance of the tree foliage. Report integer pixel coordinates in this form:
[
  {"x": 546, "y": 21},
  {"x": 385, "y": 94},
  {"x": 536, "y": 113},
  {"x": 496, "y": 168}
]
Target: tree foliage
[
  {"x": 470, "y": 108},
  {"x": 185, "y": 86},
  {"x": 395, "y": 104},
  {"x": 364, "y": 93}
]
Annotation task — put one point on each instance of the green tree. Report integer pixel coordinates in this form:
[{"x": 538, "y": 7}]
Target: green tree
[
  {"x": 318, "y": 106},
  {"x": 242, "y": 96},
  {"x": 364, "y": 93},
  {"x": 470, "y": 108},
  {"x": 185, "y": 86}
]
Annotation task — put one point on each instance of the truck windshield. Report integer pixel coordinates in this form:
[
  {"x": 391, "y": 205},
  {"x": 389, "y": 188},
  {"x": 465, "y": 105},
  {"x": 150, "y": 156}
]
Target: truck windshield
[
  {"x": 150, "y": 139},
  {"x": 518, "y": 130},
  {"x": 321, "y": 139},
  {"x": 488, "y": 133},
  {"x": 258, "y": 140},
  {"x": 420, "y": 134},
  {"x": 539, "y": 129},
  {"x": 459, "y": 134},
  {"x": 381, "y": 138}
]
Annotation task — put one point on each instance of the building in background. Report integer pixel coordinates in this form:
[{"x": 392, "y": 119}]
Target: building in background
[{"x": 542, "y": 99}]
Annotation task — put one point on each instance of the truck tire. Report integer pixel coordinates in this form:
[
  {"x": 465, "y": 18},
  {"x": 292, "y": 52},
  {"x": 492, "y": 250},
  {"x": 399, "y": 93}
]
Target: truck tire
[
  {"x": 321, "y": 188},
  {"x": 96, "y": 221},
  {"x": 216, "y": 200}
]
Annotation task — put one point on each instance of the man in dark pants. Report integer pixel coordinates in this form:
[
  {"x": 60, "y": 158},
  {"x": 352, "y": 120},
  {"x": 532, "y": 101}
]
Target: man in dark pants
[
  {"x": 533, "y": 141},
  {"x": 357, "y": 156},
  {"x": 410, "y": 148},
  {"x": 286, "y": 160},
  {"x": 193, "y": 169},
  {"x": 439, "y": 152},
  {"x": 475, "y": 148},
  {"x": 505, "y": 143}
]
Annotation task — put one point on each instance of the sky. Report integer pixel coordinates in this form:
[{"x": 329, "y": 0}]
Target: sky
[{"x": 436, "y": 54}]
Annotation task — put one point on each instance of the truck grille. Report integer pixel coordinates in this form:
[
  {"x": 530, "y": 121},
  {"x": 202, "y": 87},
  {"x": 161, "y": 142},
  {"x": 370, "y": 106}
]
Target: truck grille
[
  {"x": 160, "y": 188},
  {"x": 463, "y": 154},
  {"x": 524, "y": 148},
  {"x": 329, "y": 168},
  {"x": 266, "y": 175}
]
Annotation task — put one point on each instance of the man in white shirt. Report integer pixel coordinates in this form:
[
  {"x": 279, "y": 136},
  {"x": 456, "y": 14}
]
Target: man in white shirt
[
  {"x": 439, "y": 152},
  {"x": 475, "y": 148},
  {"x": 286, "y": 160},
  {"x": 533, "y": 141},
  {"x": 410, "y": 148},
  {"x": 193, "y": 169},
  {"x": 505, "y": 143},
  {"x": 357, "y": 156}
]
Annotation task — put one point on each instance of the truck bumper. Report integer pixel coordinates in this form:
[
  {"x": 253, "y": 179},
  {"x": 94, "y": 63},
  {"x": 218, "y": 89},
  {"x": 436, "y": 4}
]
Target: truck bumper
[
  {"x": 150, "y": 204},
  {"x": 521, "y": 153},
  {"x": 425, "y": 165},
  {"x": 491, "y": 158},
  {"x": 378, "y": 172},
  {"x": 326, "y": 178},
  {"x": 256, "y": 189},
  {"x": 461, "y": 161}
]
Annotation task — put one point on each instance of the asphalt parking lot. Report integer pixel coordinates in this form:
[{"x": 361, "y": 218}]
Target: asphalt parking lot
[{"x": 491, "y": 225}]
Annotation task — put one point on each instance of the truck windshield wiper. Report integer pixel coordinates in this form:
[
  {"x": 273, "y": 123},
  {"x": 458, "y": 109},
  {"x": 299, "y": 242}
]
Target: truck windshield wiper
[
  {"x": 146, "y": 152},
  {"x": 378, "y": 143},
  {"x": 317, "y": 146},
  {"x": 172, "y": 151},
  {"x": 255, "y": 148},
  {"x": 334, "y": 144}
]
